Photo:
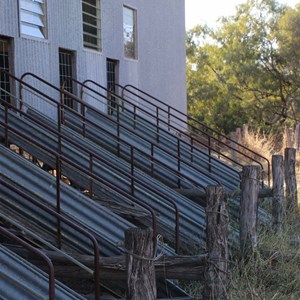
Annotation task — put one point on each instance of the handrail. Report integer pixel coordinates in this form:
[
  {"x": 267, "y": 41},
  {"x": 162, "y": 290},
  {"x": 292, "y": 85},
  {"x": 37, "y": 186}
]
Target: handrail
[
  {"x": 162, "y": 129},
  {"x": 178, "y": 158},
  {"x": 69, "y": 223},
  {"x": 36, "y": 252},
  {"x": 184, "y": 133},
  {"x": 83, "y": 105},
  {"x": 119, "y": 125},
  {"x": 168, "y": 111},
  {"x": 61, "y": 158}
]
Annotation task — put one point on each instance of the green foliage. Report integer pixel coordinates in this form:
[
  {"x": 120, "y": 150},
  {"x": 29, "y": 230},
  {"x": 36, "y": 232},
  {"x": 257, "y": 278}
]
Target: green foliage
[{"x": 247, "y": 69}]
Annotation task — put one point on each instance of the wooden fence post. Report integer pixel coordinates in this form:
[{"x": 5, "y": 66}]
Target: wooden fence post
[
  {"x": 288, "y": 137},
  {"x": 233, "y": 145},
  {"x": 297, "y": 137},
  {"x": 238, "y": 135},
  {"x": 290, "y": 178},
  {"x": 278, "y": 210},
  {"x": 141, "y": 280},
  {"x": 249, "y": 207},
  {"x": 245, "y": 133},
  {"x": 216, "y": 270}
]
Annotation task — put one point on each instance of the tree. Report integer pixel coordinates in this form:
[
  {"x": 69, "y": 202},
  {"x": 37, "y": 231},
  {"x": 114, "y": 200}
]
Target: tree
[{"x": 246, "y": 70}]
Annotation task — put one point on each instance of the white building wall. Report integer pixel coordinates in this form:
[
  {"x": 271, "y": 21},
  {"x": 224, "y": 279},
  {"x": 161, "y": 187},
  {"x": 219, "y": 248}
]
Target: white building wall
[{"x": 159, "y": 68}]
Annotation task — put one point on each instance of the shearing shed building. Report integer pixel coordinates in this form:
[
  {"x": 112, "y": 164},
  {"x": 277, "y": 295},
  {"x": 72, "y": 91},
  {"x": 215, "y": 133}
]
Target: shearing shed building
[
  {"x": 109, "y": 41},
  {"x": 95, "y": 141}
]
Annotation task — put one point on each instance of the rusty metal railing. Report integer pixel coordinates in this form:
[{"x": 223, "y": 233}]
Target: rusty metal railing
[
  {"x": 37, "y": 253},
  {"x": 171, "y": 113},
  {"x": 47, "y": 209},
  {"x": 61, "y": 158},
  {"x": 83, "y": 107},
  {"x": 120, "y": 126},
  {"x": 120, "y": 107}
]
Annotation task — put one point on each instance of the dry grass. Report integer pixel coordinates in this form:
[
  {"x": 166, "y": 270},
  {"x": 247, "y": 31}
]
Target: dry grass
[
  {"x": 264, "y": 144},
  {"x": 272, "y": 272}
]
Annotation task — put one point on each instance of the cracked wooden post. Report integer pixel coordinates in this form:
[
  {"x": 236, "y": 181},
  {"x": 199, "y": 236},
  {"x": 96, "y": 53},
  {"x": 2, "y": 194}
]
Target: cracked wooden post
[
  {"x": 216, "y": 270},
  {"x": 249, "y": 207},
  {"x": 141, "y": 280},
  {"x": 278, "y": 210},
  {"x": 290, "y": 179}
]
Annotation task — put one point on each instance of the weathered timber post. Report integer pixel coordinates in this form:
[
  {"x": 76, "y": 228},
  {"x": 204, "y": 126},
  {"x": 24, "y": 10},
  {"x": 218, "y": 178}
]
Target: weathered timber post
[
  {"x": 233, "y": 145},
  {"x": 216, "y": 270},
  {"x": 249, "y": 207},
  {"x": 141, "y": 281},
  {"x": 288, "y": 137},
  {"x": 238, "y": 135},
  {"x": 290, "y": 178},
  {"x": 278, "y": 210},
  {"x": 297, "y": 137}
]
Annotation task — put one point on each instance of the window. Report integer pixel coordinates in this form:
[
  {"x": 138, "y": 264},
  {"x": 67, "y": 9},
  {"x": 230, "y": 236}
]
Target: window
[
  {"x": 4, "y": 65},
  {"x": 33, "y": 18},
  {"x": 91, "y": 24},
  {"x": 66, "y": 59},
  {"x": 111, "y": 73},
  {"x": 129, "y": 27}
]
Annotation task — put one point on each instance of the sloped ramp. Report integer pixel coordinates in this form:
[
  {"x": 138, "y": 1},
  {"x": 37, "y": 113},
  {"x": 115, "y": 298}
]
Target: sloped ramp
[
  {"x": 19, "y": 279},
  {"x": 107, "y": 227},
  {"x": 192, "y": 216}
]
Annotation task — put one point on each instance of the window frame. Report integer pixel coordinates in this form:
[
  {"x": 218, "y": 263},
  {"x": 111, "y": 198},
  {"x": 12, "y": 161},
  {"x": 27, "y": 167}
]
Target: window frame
[
  {"x": 98, "y": 37},
  {"x": 68, "y": 63},
  {"x": 33, "y": 18},
  {"x": 134, "y": 50},
  {"x": 5, "y": 59}
]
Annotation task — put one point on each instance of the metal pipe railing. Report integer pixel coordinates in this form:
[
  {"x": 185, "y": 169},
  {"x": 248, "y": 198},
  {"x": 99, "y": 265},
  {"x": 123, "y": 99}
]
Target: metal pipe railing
[
  {"x": 38, "y": 253},
  {"x": 58, "y": 216},
  {"x": 119, "y": 126},
  {"x": 92, "y": 108},
  {"x": 156, "y": 117},
  {"x": 85, "y": 120},
  {"x": 62, "y": 158},
  {"x": 131, "y": 147},
  {"x": 173, "y": 115},
  {"x": 96, "y": 178}
]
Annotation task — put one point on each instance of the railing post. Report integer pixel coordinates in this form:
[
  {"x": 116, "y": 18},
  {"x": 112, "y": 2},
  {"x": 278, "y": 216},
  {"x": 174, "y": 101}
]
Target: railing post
[
  {"x": 192, "y": 150},
  {"x": 6, "y": 127},
  {"x": 62, "y": 102},
  {"x": 91, "y": 180},
  {"x": 83, "y": 119},
  {"x": 152, "y": 163},
  {"x": 249, "y": 207},
  {"x": 290, "y": 178},
  {"x": 178, "y": 162},
  {"x": 216, "y": 270},
  {"x": 58, "y": 175},
  {"x": 209, "y": 153},
  {"x": 21, "y": 94},
  {"x": 58, "y": 171},
  {"x": 157, "y": 125},
  {"x": 132, "y": 170},
  {"x": 169, "y": 118},
  {"x": 134, "y": 116},
  {"x": 140, "y": 269},
  {"x": 278, "y": 210},
  {"x": 118, "y": 134}
]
